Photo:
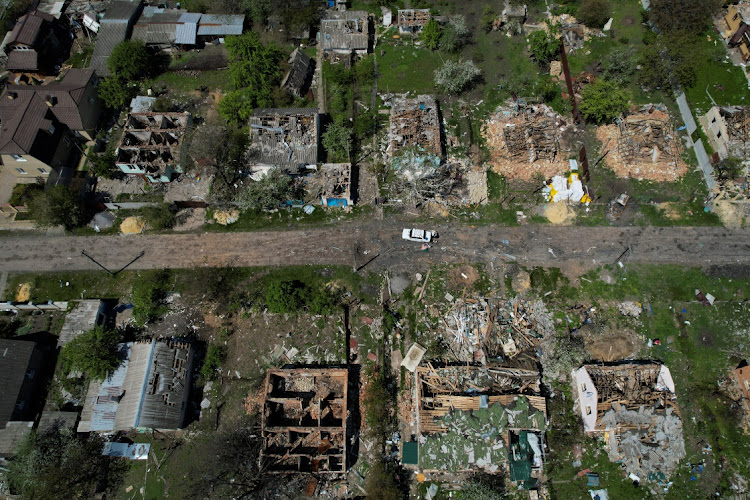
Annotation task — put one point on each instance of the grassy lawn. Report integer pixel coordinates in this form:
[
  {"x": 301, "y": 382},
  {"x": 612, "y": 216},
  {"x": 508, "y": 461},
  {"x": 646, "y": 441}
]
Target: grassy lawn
[
  {"x": 720, "y": 78},
  {"x": 174, "y": 81},
  {"x": 286, "y": 219},
  {"x": 404, "y": 68}
]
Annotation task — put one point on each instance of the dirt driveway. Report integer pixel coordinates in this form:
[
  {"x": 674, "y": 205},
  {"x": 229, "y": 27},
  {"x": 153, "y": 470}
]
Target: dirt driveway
[{"x": 377, "y": 244}]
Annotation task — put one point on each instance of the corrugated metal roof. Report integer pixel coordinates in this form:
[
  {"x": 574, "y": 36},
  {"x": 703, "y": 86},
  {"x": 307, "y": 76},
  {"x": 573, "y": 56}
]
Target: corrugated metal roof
[
  {"x": 100, "y": 405},
  {"x": 216, "y": 24},
  {"x": 120, "y": 11},
  {"x": 185, "y": 34},
  {"x": 107, "y": 38}
]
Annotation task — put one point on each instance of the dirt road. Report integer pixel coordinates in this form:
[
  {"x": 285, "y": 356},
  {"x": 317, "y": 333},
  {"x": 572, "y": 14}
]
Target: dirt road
[{"x": 378, "y": 245}]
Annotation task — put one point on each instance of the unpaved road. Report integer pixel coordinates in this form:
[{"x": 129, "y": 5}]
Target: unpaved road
[{"x": 356, "y": 243}]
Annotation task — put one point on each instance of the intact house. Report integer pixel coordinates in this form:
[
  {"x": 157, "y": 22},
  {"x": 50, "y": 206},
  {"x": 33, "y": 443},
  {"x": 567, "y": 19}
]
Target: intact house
[
  {"x": 736, "y": 33},
  {"x": 148, "y": 390},
  {"x": 284, "y": 138},
  {"x": 115, "y": 25},
  {"x": 634, "y": 406},
  {"x": 345, "y": 34},
  {"x": 728, "y": 131},
  {"x": 38, "y": 43},
  {"x": 297, "y": 80},
  {"x": 412, "y": 20},
  {"x": 169, "y": 28},
  {"x": 40, "y": 125},
  {"x": 152, "y": 145}
]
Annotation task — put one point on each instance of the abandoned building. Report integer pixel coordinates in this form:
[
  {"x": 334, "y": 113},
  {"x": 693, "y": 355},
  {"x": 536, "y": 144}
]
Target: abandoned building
[
  {"x": 728, "y": 131},
  {"x": 148, "y": 390},
  {"x": 635, "y": 406},
  {"x": 525, "y": 139},
  {"x": 415, "y": 122},
  {"x": 470, "y": 418},
  {"x": 286, "y": 138},
  {"x": 304, "y": 421},
  {"x": 345, "y": 34},
  {"x": 513, "y": 13},
  {"x": 85, "y": 315},
  {"x": 298, "y": 78},
  {"x": 332, "y": 185},
  {"x": 38, "y": 43},
  {"x": 115, "y": 26},
  {"x": 412, "y": 20},
  {"x": 174, "y": 28},
  {"x": 736, "y": 33},
  {"x": 151, "y": 145},
  {"x": 644, "y": 145}
]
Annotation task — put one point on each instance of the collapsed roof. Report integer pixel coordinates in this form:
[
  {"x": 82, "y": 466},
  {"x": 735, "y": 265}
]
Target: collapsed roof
[
  {"x": 415, "y": 123},
  {"x": 284, "y": 137}
]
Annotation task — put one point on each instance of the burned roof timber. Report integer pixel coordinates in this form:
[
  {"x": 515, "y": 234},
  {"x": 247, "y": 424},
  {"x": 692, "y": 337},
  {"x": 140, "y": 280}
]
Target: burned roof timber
[{"x": 414, "y": 122}]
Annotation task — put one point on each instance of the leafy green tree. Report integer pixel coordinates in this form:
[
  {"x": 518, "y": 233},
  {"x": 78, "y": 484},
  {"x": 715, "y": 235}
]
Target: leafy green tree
[
  {"x": 103, "y": 165},
  {"x": 671, "y": 60},
  {"x": 619, "y": 64},
  {"x": 269, "y": 192},
  {"x": 57, "y": 206},
  {"x": 337, "y": 139},
  {"x": 692, "y": 16},
  {"x": 215, "y": 356},
  {"x": 148, "y": 297},
  {"x": 487, "y": 20},
  {"x": 129, "y": 60},
  {"x": 543, "y": 46},
  {"x": 159, "y": 216},
  {"x": 594, "y": 13},
  {"x": 456, "y": 76},
  {"x": 603, "y": 101},
  {"x": 93, "y": 352},
  {"x": 285, "y": 296},
  {"x": 380, "y": 483},
  {"x": 115, "y": 92},
  {"x": 484, "y": 487},
  {"x": 730, "y": 168},
  {"x": 456, "y": 34},
  {"x": 22, "y": 193},
  {"x": 431, "y": 34},
  {"x": 56, "y": 462}
]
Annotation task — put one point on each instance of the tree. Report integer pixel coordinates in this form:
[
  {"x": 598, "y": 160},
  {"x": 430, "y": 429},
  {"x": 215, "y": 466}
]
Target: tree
[
  {"x": 692, "y": 16},
  {"x": 603, "y": 101},
  {"x": 543, "y": 46},
  {"x": 487, "y": 21},
  {"x": 380, "y": 483},
  {"x": 22, "y": 193},
  {"x": 484, "y": 487},
  {"x": 159, "y": 216},
  {"x": 93, "y": 352},
  {"x": 337, "y": 139},
  {"x": 285, "y": 296},
  {"x": 671, "y": 60},
  {"x": 115, "y": 92},
  {"x": 56, "y": 460},
  {"x": 730, "y": 168},
  {"x": 269, "y": 192},
  {"x": 431, "y": 34},
  {"x": 103, "y": 165},
  {"x": 619, "y": 64},
  {"x": 215, "y": 356},
  {"x": 455, "y": 35},
  {"x": 129, "y": 60},
  {"x": 594, "y": 13},
  {"x": 148, "y": 297},
  {"x": 456, "y": 76},
  {"x": 57, "y": 206}
]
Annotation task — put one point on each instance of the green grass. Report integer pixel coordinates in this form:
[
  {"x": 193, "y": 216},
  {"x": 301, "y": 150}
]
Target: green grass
[
  {"x": 724, "y": 81},
  {"x": 496, "y": 186},
  {"x": 285, "y": 219},
  {"x": 213, "y": 79},
  {"x": 489, "y": 213},
  {"x": 81, "y": 59},
  {"x": 407, "y": 69}
]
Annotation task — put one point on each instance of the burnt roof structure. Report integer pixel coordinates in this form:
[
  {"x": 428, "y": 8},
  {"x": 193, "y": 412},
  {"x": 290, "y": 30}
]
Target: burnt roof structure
[
  {"x": 304, "y": 421},
  {"x": 345, "y": 31},
  {"x": 299, "y": 76},
  {"x": 412, "y": 20},
  {"x": 414, "y": 122},
  {"x": 286, "y": 138}
]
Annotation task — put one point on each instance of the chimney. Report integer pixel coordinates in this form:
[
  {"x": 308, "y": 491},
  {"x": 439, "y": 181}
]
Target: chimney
[{"x": 51, "y": 100}]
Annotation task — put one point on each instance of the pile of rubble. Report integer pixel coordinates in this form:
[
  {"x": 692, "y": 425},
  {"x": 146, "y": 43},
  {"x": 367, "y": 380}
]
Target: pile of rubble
[
  {"x": 526, "y": 139},
  {"x": 643, "y": 145},
  {"x": 482, "y": 329}
]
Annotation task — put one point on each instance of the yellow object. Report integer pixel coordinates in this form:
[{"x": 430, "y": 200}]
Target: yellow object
[
  {"x": 420, "y": 478},
  {"x": 585, "y": 198},
  {"x": 132, "y": 225},
  {"x": 552, "y": 193},
  {"x": 396, "y": 36}
]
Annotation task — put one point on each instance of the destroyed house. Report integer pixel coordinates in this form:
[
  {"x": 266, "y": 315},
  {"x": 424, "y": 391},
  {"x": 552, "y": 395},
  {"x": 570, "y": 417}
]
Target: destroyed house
[
  {"x": 298, "y": 78},
  {"x": 469, "y": 416},
  {"x": 334, "y": 185},
  {"x": 345, "y": 32},
  {"x": 728, "y": 131},
  {"x": 635, "y": 406},
  {"x": 286, "y": 138},
  {"x": 115, "y": 26},
  {"x": 644, "y": 144},
  {"x": 515, "y": 12},
  {"x": 415, "y": 123},
  {"x": 737, "y": 32},
  {"x": 148, "y": 390},
  {"x": 412, "y": 20},
  {"x": 303, "y": 422},
  {"x": 152, "y": 145},
  {"x": 37, "y": 43}
]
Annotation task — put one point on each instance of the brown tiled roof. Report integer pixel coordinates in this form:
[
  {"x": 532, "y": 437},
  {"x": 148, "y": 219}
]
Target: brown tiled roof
[
  {"x": 23, "y": 60},
  {"x": 27, "y": 28},
  {"x": 20, "y": 126},
  {"x": 67, "y": 98}
]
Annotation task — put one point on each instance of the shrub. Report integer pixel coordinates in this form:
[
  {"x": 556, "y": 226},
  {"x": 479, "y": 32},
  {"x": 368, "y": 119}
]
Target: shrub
[
  {"x": 594, "y": 13},
  {"x": 215, "y": 356},
  {"x": 603, "y": 101},
  {"x": 148, "y": 297},
  {"x": 456, "y": 76},
  {"x": 159, "y": 216},
  {"x": 543, "y": 46},
  {"x": 93, "y": 352},
  {"x": 289, "y": 296},
  {"x": 22, "y": 193}
]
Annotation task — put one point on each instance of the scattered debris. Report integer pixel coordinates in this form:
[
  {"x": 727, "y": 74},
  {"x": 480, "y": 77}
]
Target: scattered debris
[
  {"x": 630, "y": 308},
  {"x": 133, "y": 225},
  {"x": 226, "y": 217},
  {"x": 413, "y": 357}
]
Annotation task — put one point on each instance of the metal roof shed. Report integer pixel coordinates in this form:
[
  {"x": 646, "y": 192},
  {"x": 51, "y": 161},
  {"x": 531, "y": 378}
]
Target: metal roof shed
[
  {"x": 410, "y": 453},
  {"x": 221, "y": 24}
]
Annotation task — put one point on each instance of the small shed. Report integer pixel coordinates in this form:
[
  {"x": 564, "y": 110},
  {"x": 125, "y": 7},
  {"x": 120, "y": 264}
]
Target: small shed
[
  {"x": 410, "y": 453},
  {"x": 86, "y": 315}
]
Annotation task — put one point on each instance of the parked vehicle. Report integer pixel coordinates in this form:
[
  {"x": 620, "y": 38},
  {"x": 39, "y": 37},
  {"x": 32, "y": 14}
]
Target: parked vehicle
[{"x": 419, "y": 235}]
